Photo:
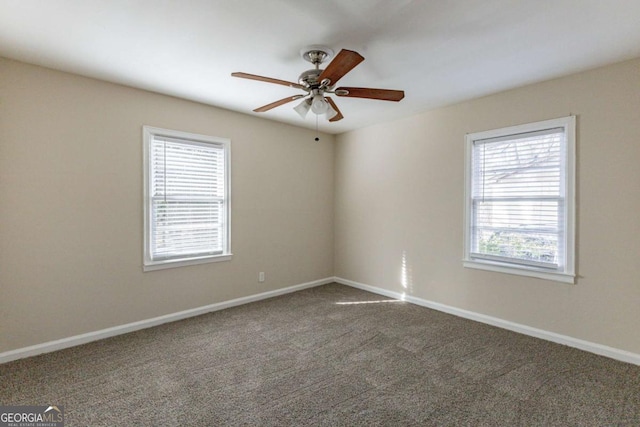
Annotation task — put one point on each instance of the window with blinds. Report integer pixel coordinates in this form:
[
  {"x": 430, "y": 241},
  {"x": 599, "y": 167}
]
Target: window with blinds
[
  {"x": 519, "y": 208},
  {"x": 186, "y": 192}
]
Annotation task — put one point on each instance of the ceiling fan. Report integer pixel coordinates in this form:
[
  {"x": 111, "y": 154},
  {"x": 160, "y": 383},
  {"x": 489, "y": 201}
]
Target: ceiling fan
[{"x": 317, "y": 83}]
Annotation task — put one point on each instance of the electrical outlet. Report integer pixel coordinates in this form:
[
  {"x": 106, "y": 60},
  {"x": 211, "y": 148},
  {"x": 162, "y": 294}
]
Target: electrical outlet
[{"x": 261, "y": 277}]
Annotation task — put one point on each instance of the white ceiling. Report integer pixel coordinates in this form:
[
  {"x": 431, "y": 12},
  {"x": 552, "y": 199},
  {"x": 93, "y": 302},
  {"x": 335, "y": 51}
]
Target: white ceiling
[{"x": 438, "y": 51}]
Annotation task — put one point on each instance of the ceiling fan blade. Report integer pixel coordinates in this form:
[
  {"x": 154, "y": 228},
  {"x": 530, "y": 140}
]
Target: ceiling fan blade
[
  {"x": 365, "y": 92},
  {"x": 267, "y": 80},
  {"x": 344, "y": 62},
  {"x": 277, "y": 103},
  {"x": 338, "y": 116}
]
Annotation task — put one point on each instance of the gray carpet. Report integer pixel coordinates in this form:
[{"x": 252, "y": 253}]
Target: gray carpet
[{"x": 327, "y": 356}]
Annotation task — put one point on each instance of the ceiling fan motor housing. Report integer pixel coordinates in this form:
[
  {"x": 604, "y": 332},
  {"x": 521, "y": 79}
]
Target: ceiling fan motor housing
[
  {"x": 315, "y": 54},
  {"x": 309, "y": 78}
]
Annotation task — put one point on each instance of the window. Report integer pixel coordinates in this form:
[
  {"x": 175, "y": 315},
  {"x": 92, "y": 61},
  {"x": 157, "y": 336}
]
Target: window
[
  {"x": 519, "y": 200},
  {"x": 186, "y": 219}
]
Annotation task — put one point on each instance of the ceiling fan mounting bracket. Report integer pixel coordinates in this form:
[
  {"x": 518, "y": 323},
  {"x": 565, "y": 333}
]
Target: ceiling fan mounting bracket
[{"x": 316, "y": 54}]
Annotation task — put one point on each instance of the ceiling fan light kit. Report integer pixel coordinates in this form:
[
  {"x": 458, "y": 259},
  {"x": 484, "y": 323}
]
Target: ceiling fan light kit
[
  {"x": 318, "y": 82},
  {"x": 303, "y": 108},
  {"x": 319, "y": 105}
]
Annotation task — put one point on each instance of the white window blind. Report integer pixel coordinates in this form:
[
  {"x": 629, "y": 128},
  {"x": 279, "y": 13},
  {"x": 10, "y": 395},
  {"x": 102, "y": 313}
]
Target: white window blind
[
  {"x": 187, "y": 199},
  {"x": 518, "y": 206},
  {"x": 518, "y": 198}
]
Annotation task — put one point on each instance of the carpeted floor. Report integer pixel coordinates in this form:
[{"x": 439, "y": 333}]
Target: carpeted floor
[{"x": 327, "y": 356}]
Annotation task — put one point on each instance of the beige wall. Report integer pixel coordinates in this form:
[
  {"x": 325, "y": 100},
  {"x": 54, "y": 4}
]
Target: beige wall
[
  {"x": 71, "y": 206},
  {"x": 399, "y": 199}
]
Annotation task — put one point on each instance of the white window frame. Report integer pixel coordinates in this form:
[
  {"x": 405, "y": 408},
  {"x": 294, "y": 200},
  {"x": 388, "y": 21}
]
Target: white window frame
[
  {"x": 149, "y": 133},
  {"x": 564, "y": 273}
]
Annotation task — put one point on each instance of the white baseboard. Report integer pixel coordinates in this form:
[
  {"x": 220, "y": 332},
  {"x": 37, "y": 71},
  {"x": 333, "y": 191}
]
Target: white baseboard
[
  {"x": 602, "y": 350},
  {"x": 63, "y": 343},
  {"x": 614, "y": 353}
]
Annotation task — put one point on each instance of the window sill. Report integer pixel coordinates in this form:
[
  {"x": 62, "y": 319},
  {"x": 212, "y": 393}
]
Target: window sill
[
  {"x": 520, "y": 271},
  {"x": 161, "y": 265}
]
